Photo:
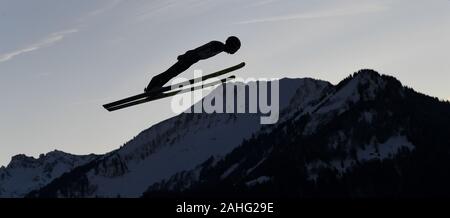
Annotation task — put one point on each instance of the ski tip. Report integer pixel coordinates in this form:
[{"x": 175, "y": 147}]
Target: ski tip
[{"x": 107, "y": 108}]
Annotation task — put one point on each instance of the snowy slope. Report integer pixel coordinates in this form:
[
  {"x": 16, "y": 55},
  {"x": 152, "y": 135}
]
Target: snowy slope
[
  {"x": 177, "y": 144},
  {"x": 24, "y": 174},
  {"x": 363, "y": 86}
]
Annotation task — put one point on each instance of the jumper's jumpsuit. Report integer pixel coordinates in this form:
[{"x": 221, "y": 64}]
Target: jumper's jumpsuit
[{"x": 185, "y": 61}]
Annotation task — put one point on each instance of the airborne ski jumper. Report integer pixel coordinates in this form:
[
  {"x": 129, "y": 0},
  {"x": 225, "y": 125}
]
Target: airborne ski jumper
[
  {"x": 155, "y": 89},
  {"x": 191, "y": 57}
]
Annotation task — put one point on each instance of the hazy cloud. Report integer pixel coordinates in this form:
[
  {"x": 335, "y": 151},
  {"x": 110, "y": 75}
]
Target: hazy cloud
[
  {"x": 46, "y": 42},
  {"x": 112, "y": 4},
  {"x": 264, "y": 2},
  {"x": 349, "y": 10}
]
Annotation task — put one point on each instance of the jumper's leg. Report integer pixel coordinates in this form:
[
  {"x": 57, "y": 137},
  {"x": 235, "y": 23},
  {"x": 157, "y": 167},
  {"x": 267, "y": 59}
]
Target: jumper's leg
[{"x": 160, "y": 80}]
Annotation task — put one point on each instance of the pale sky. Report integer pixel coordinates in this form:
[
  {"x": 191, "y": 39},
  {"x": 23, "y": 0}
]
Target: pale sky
[{"x": 60, "y": 60}]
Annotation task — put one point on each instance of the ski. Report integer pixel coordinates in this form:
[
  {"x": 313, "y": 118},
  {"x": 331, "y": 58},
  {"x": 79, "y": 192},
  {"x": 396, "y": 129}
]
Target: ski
[
  {"x": 168, "y": 94},
  {"x": 180, "y": 85}
]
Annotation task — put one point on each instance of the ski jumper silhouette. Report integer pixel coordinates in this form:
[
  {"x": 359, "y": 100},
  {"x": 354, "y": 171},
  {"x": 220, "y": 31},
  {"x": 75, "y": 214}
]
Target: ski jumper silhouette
[{"x": 191, "y": 57}]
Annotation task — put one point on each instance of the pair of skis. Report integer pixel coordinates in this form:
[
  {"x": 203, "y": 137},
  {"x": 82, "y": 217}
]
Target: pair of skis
[{"x": 167, "y": 91}]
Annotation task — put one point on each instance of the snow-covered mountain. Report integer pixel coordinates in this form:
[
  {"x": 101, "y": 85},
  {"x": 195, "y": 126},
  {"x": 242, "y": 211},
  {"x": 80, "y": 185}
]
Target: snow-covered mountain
[
  {"x": 366, "y": 136},
  {"x": 174, "y": 145},
  {"x": 24, "y": 174}
]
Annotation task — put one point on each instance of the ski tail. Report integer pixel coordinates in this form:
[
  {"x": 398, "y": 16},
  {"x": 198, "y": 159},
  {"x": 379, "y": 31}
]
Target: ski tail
[
  {"x": 180, "y": 85},
  {"x": 169, "y": 94}
]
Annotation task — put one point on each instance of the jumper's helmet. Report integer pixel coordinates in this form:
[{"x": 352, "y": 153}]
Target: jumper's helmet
[{"x": 232, "y": 44}]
